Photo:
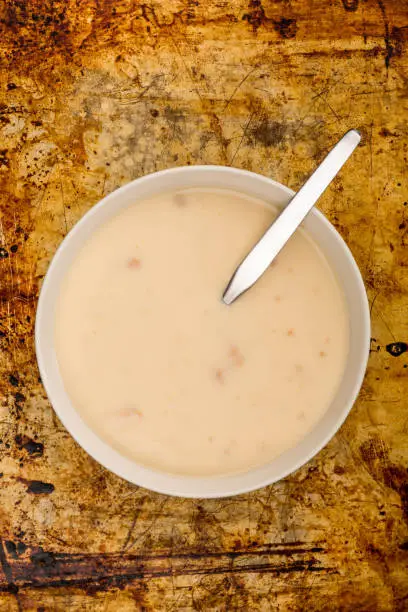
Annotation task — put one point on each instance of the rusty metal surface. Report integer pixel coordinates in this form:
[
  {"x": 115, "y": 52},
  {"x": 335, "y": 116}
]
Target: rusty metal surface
[{"x": 94, "y": 93}]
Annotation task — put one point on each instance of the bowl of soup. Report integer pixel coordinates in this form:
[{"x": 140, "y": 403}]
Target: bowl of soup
[{"x": 160, "y": 381}]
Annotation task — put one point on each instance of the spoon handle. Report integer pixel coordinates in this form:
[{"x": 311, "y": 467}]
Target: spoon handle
[{"x": 263, "y": 253}]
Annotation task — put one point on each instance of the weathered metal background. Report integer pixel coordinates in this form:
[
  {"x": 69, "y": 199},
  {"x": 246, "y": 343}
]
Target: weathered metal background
[{"x": 94, "y": 93}]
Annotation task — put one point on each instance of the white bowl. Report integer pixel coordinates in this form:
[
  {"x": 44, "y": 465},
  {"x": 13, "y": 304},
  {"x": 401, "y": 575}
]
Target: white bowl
[{"x": 339, "y": 258}]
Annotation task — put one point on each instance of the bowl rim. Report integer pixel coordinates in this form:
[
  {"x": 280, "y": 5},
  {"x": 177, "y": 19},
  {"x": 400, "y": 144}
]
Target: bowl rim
[{"x": 161, "y": 482}]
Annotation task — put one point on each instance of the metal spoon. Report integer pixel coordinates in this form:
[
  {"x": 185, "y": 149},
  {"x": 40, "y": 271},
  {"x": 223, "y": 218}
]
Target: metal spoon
[{"x": 263, "y": 253}]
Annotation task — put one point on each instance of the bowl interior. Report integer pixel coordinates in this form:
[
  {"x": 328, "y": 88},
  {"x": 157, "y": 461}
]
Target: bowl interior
[{"x": 342, "y": 263}]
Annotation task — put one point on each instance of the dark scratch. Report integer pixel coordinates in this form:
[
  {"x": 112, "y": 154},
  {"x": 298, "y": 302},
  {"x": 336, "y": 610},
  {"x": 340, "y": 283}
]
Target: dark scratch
[
  {"x": 238, "y": 86},
  {"x": 130, "y": 544},
  {"x": 63, "y": 204},
  {"x": 373, "y": 302},
  {"x": 323, "y": 96},
  {"x": 11, "y": 587},
  {"x": 214, "y": 119},
  {"x": 188, "y": 72},
  {"x": 103, "y": 184},
  {"x": 374, "y": 231},
  {"x": 131, "y": 529},
  {"x": 386, "y": 324},
  {"x": 389, "y": 49},
  {"x": 244, "y": 133}
]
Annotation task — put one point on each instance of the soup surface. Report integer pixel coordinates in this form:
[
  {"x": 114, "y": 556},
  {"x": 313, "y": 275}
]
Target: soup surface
[{"x": 166, "y": 373}]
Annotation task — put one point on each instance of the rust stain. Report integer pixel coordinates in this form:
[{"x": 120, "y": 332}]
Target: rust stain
[
  {"x": 33, "y": 448},
  {"x": 37, "y": 487},
  {"x": 350, "y": 5},
  {"x": 397, "y": 348}
]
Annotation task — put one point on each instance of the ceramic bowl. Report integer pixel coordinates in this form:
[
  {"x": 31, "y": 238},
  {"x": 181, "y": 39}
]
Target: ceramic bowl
[{"x": 342, "y": 263}]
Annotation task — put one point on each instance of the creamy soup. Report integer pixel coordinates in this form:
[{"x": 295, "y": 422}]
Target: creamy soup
[{"x": 170, "y": 376}]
